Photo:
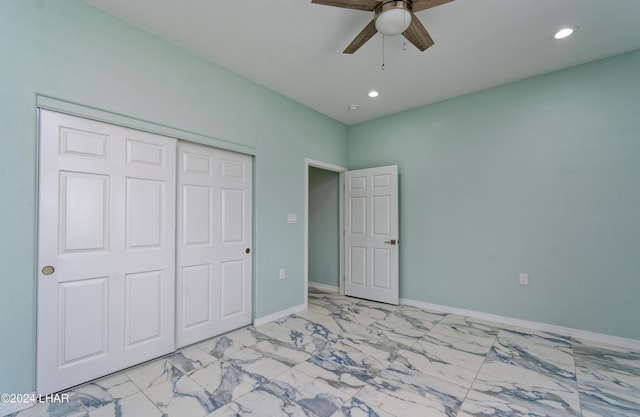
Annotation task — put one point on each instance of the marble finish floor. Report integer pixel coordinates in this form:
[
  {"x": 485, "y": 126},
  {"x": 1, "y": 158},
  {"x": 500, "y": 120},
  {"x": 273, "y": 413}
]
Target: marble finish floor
[{"x": 346, "y": 357}]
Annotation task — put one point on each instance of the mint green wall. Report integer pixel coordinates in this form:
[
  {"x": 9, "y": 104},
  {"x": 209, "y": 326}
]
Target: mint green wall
[
  {"x": 324, "y": 226},
  {"x": 72, "y": 51},
  {"x": 540, "y": 176}
]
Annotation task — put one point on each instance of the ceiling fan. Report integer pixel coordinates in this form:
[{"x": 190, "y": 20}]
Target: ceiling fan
[{"x": 391, "y": 17}]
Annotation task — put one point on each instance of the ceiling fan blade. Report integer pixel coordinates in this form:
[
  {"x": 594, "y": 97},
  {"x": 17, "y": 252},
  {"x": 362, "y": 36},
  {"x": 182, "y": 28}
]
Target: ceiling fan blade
[
  {"x": 362, "y": 37},
  {"x": 417, "y": 34},
  {"x": 368, "y": 5},
  {"x": 427, "y": 4}
]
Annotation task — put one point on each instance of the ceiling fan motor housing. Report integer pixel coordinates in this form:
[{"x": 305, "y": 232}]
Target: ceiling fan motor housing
[{"x": 393, "y": 17}]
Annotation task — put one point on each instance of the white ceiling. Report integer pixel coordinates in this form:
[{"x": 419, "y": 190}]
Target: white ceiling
[{"x": 295, "y": 47}]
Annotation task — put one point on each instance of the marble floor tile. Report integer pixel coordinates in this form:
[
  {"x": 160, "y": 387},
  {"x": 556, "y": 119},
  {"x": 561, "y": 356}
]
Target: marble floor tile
[
  {"x": 608, "y": 379},
  {"x": 538, "y": 337},
  {"x": 357, "y": 408},
  {"x": 421, "y": 314},
  {"x": 412, "y": 318},
  {"x": 374, "y": 311},
  {"x": 607, "y": 357},
  {"x": 403, "y": 336},
  {"x": 132, "y": 406},
  {"x": 312, "y": 313},
  {"x": 190, "y": 359},
  {"x": 293, "y": 321},
  {"x": 105, "y": 390},
  {"x": 336, "y": 377},
  {"x": 152, "y": 373},
  {"x": 399, "y": 403},
  {"x": 528, "y": 389},
  {"x": 282, "y": 352},
  {"x": 317, "y": 307},
  {"x": 339, "y": 322},
  {"x": 442, "y": 362},
  {"x": 272, "y": 329},
  {"x": 93, "y": 396},
  {"x": 400, "y": 376},
  {"x": 449, "y": 353},
  {"x": 226, "y": 411},
  {"x": 485, "y": 326},
  {"x": 182, "y": 397},
  {"x": 292, "y": 394},
  {"x": 220, "y": 347},
  {"x": 462, "y": 335},
  {"x": 224, "y": 381},
  {"x": 479, "y": 404},
  {"x": 328, "y": 301},
  {"x": 312, "y": 394},
  {"x": 268, "y": 400},
  {"x": 544, "y": 358},
  {"x": 313, "y": 337},
  {"x": 247, "y": 336},
  {"x": 257, "y": 365},
  {"x": 372, "y": 341},
  {"x": 348, "y": 357},
  {"x": 342, "y": 360}
]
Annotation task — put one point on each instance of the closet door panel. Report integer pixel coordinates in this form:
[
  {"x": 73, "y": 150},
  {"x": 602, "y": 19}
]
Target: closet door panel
[
  {"x": 106, "y": 249},
  {"x": 214, "y": 233}
]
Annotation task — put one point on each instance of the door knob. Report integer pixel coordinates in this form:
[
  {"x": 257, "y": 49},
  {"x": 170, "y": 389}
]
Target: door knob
[
  {"x": 48, "y": 270},
  {"x": 392, "y": 241},
  {"x": 248, "y": 250}
]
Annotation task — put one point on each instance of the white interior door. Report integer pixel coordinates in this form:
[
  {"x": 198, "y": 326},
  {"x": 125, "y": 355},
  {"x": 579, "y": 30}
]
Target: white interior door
[
  {"x": 214, "y": 242},
  {"x": 106, "y": 249},
  {"x": 371, "y": 234}
]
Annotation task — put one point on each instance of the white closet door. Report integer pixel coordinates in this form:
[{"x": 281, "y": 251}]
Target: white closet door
[
  {"x": 214, "y": 242},
  {"x": 106, "y": 249}
]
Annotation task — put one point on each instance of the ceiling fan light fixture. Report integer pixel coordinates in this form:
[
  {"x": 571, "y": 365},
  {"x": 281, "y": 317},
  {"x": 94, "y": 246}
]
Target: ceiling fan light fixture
[{"x": 393, "y": 21}]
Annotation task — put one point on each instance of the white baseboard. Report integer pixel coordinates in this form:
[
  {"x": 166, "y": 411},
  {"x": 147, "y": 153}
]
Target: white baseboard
[
  {"x": 545, "y": 327},
  {"x": 323, "y": 287},
  {"x": 10, "y": 408},
  {"x": 259, "y": 321}
]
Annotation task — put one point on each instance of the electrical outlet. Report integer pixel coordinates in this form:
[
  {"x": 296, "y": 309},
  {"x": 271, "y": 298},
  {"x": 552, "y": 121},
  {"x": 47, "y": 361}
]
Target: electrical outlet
[
  {"x": 524, "y": 279},
  {"x": 282, "y": 273}
]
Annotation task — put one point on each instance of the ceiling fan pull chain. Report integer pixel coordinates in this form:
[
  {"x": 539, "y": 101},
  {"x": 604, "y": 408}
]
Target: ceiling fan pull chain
[
  {"x": 382, "y": 52},
  {"x": 404, "y": 38}
]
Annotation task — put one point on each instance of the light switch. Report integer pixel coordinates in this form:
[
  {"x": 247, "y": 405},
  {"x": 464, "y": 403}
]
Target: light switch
[{"x": 292, "y": 218}]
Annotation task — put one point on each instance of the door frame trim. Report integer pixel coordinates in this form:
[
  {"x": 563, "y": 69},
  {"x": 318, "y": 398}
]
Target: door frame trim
[
  {"x": 88, "y": 112},
  {"x": 340, "y": 170}
]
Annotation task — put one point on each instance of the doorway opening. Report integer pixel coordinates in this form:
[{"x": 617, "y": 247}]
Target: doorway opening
[{"x": 323, "y": 262}]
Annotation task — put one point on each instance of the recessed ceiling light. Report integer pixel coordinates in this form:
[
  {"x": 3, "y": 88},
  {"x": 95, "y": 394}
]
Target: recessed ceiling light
[
  {"x": 352, "y": 107},
  {"x": 565, "y": 32},
  {"x": 373, "y": 94}
]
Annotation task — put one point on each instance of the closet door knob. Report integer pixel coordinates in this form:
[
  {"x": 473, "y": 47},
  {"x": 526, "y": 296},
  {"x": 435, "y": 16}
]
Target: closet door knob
[
  {"x": 248, "y": 250},
  {"x": 48, "y": 270}
]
